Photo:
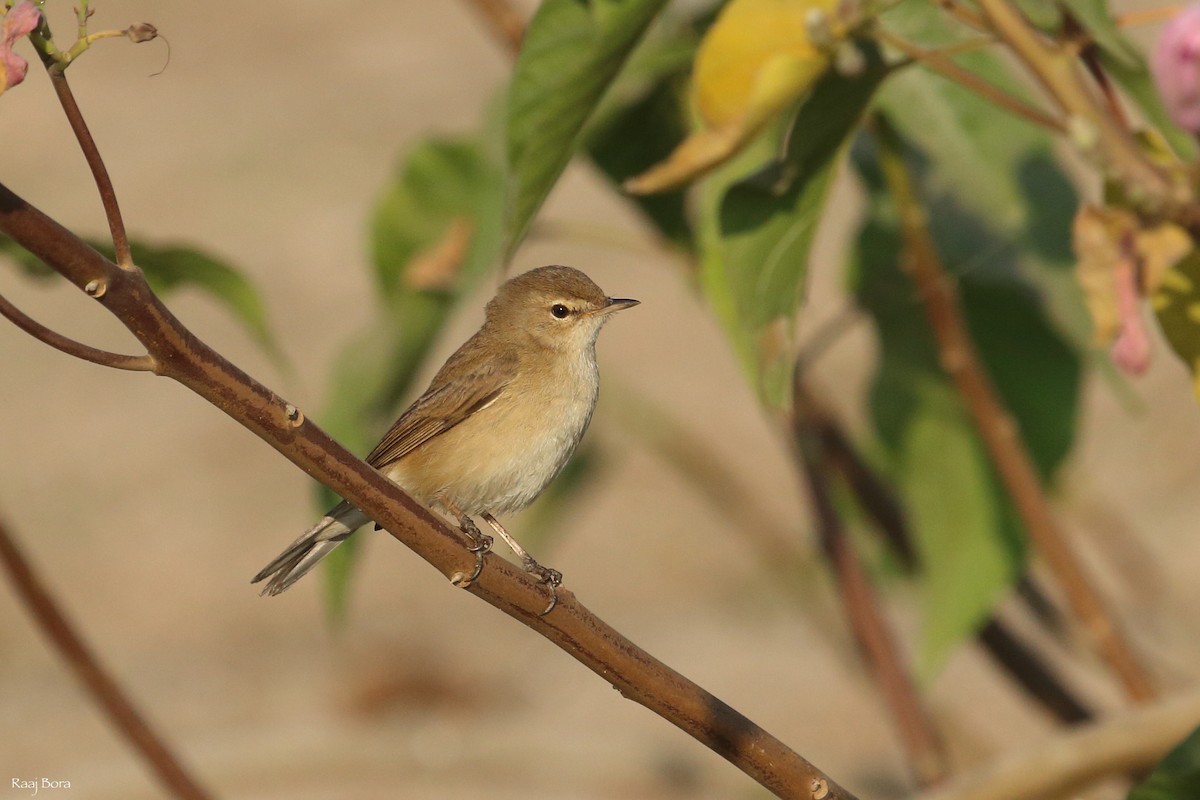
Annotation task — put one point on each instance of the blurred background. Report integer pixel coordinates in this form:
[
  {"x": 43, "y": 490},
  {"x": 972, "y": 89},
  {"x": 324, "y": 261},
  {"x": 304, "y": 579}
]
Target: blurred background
[{"x": 267, "y": 139}]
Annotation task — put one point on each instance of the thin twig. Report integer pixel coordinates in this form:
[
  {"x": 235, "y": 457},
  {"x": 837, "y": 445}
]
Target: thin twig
[
  {"x": 572, "y": 627},
  {"x": 108, "y": 196},
  {"x": 1147, "y": 16},
  {"x": 70, "y": 346},
  {"x": 503, "y": 20},
  {"x": 925, "y": 753},
  {"x": 1031, "y": 672},
  {"x": 1154, "y": 188},
  {"x": 1089, "y": 53},
  {"x": 965, "y": 15},
  {"x": 104, "y": 689},
  {"x": 995, "y": 424},
  {"x": 945, "y": 67}
]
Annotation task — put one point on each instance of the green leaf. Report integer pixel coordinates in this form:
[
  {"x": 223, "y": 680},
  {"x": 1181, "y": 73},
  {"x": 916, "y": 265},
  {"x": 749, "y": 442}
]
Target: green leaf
[
  {"x": 967, "y": 549},
  {"x": 441, "y": 181},
  {"x": 766, "y": 223},
  {"x": 968, "y": 535},
  {"x": 1177, "y": 777},
  {"x": 171, "y": 267},
  {"x": 435, "y": 235},
  {"x": 572, "y": 51},
  {"x": 631, "y": 142},
  {"x": 1177, "y": 304},
  {"x": 985, "y": 160}
]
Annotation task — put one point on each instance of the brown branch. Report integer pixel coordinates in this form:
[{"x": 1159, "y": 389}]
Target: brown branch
[
  {"x": 1097, "y": 134},
  {"x": 71, "y": 347},
  {"x": 1147, "y": 16},
  {"x": 106, "y": 691},
  {"x": 632, "y": 671},
  {"x": 1033, "y": 674},
  {"x": 966, "y": 16},
  {"x": 503, "y": 20},
  {"x": 925, "y": 754},
  {"x": 108, "y": 196},
  {"x": 1119, "y": 745},
  {"x": 1089, "y": 54},
  {"x": 995, "y": 424}
]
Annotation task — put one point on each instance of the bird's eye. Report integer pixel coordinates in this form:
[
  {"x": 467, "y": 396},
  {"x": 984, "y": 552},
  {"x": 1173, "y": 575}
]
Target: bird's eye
[{"x": 560, "y": 311}]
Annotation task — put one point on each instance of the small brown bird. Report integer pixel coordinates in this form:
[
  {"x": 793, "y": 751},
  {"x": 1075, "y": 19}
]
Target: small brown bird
[{"x": 499, "y": 421}]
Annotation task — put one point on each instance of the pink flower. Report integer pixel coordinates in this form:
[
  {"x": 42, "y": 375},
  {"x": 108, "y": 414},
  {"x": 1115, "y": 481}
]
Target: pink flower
[
  {"x": 20, "y": 21},
  {"x": 1175, "y": 64}
]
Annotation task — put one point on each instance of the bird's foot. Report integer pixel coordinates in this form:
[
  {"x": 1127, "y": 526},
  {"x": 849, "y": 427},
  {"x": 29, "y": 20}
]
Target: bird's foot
[
  {"x": 551, "y": 577},
  {"x": 480, "y": 543}
]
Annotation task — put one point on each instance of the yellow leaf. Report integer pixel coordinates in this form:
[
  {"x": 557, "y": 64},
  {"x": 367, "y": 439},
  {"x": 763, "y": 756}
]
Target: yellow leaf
[
  {"x": 1099, "y": 237},
  {"x": 1159, "y": 249},
  {"x": 747, "y": 36},
  {"x": 757, "y": 58}
]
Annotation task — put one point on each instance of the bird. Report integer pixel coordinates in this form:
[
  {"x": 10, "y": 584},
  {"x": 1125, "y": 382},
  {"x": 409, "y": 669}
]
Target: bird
[{"x": 498, "y": 422}]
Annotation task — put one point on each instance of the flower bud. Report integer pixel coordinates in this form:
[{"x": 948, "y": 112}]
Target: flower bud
[{"x": 1175, "y": 64}]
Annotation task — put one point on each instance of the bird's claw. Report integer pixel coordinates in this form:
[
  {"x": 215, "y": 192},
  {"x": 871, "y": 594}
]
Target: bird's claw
[
  {"x": 551, "y": 577},
  {"x": 481, "y": 543}
]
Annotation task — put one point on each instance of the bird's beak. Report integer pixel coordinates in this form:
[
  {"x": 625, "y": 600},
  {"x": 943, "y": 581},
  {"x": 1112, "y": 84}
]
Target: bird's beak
[{"x": 616, "y": 304}]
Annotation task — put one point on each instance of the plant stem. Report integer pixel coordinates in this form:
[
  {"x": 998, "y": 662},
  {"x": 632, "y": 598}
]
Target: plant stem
[
  {"x": 108, "y": 196},
  {"x": 995, "y": 425},
  {"x": 103, "y": 688},
  {"x": 811, "y": 431},
  {"x": 1151, "y": 188},
  {"x": 70, "y": 346}
]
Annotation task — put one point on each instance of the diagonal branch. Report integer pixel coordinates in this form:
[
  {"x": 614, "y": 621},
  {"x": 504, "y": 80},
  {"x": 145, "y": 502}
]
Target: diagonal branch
[
  {"x": 632, "y": 671},
  {"x": 108, "y": 196},
  {"x": 103, "y": 688},
  {"x": 812, "y": 433},
  {"x": 995, "y": 425},
  {"x": 71, "y": 347}
]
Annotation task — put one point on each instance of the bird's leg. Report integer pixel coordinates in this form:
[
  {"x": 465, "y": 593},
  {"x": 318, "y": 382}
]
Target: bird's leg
[
  {"x": 552, "y": 577},
  {"x": 480, "y": 542}
]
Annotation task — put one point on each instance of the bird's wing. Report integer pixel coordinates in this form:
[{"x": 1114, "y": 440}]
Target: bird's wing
[{"x": 469, "y": 382}]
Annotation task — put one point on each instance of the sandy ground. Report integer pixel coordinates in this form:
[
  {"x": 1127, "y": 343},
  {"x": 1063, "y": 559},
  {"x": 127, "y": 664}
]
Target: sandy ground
[{"x": 267, "y": 139}]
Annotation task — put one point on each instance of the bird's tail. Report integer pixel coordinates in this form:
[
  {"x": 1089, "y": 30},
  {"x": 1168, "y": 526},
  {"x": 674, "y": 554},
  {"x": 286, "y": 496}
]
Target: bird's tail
[{"x": 316, "y": 543}]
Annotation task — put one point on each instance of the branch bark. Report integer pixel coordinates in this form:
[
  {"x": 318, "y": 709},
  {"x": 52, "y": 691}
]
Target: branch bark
[
  {"x": 996, "y": 426},
  {"x": 106, "y": 691},
  {"x": 636, "y": 674}
]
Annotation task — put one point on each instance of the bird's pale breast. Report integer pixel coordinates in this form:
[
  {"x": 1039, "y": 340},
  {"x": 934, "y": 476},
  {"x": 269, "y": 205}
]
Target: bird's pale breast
[{"x": 502, "y": 457}]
